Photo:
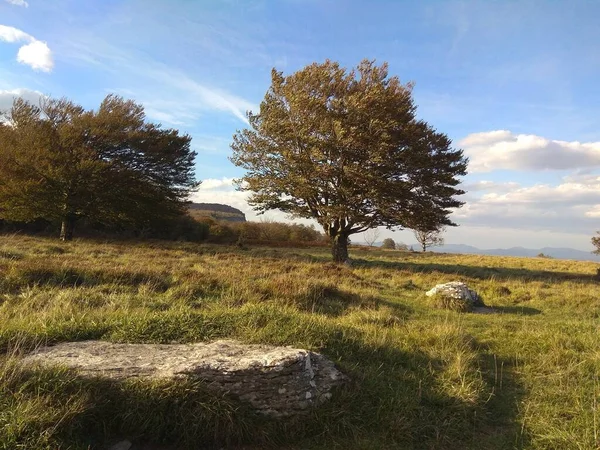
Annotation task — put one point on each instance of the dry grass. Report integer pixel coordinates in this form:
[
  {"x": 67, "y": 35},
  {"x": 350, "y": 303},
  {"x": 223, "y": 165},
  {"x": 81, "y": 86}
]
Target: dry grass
[{"x": 421, "y": 377}]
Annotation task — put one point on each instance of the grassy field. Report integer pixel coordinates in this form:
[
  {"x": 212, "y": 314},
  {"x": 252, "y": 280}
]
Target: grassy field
[{"x": 421, "y": 378}]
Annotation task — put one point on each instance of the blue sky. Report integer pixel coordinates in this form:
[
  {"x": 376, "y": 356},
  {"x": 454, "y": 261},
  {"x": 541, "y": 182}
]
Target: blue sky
[{"x": 512, "y": 83}]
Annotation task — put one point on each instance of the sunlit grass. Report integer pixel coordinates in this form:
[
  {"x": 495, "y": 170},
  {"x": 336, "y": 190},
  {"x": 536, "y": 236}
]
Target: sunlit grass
[{"x": 526, "y": 377}]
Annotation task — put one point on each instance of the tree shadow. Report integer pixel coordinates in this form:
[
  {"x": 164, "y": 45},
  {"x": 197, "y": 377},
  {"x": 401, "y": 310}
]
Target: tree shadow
[
  {"x": 65, "y": 277},
  {"x": 403, "y": 393},
  {"x": 501, "y": 428},
  {"x": 482, "y": 273}
]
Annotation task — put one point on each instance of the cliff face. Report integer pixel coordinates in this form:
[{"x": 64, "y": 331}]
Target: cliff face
[{"x": 216, "y": 211}]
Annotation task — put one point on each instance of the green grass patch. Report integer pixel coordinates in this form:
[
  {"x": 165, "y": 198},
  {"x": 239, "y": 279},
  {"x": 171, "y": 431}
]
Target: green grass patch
[{"x": 420, "y": 377}]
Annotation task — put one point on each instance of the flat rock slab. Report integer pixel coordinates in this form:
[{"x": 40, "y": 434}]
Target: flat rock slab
[{"x": 276, "y": 381}]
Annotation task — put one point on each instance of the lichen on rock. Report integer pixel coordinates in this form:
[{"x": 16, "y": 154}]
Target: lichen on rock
[{"x": 276, "y": 381}]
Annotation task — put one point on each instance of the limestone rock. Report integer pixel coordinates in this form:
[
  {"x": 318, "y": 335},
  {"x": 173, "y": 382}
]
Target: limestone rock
[
  {"x": 456, "y": 295},
  {"x": 276, "y": 381}
]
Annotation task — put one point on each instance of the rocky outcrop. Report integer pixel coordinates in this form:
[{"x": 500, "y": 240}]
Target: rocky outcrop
[{"x": 276, "y": 381}]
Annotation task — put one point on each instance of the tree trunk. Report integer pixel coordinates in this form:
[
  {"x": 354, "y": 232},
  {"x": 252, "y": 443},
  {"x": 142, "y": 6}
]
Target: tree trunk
[
  {"x": 424, "y": 247},
  {"x": 339, "y": 248},
  {"x": 66, "y": 228}
]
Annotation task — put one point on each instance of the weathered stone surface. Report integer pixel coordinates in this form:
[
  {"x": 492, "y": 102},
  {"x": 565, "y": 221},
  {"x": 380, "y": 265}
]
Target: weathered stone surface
[
  {"x": 276, "y": 381},
  {"x": 459, "y": 291}
]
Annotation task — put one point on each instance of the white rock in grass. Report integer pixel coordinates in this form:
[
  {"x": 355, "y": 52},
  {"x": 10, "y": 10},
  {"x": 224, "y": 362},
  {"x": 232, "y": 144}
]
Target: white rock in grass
[{"x": 457, "y": 290}]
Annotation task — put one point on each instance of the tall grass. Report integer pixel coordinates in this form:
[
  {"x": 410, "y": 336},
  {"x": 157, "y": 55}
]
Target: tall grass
[{"x": 526, "y": 377}]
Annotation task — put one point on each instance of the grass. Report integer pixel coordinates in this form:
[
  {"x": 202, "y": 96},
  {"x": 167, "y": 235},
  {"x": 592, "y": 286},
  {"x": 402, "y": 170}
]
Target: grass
[{"x": 421, "y": 378}]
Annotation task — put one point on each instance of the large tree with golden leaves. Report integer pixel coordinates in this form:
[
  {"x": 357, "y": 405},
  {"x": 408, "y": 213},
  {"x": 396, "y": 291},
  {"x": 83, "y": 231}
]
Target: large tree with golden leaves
[{"x": 344, "y": 147}]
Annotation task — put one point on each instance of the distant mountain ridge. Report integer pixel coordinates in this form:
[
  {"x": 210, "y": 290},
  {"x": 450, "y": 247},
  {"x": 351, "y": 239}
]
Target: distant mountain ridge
[{"x": 554, "y": 252}]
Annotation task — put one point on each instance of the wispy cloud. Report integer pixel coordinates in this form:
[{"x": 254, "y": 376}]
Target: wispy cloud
[
  {"x": 171, "y": 95},
  {"x": 33, "y": 53},
  {"x": 18, "y": 3}
]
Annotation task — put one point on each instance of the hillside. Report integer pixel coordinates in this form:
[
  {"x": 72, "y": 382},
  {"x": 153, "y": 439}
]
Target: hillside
[
  {"x": 216, "y": 211},
  {"x": 420, "y": 378}
]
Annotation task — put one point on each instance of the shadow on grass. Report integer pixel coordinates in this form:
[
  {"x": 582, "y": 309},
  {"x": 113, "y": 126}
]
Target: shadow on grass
[
  {"x": 63, "y": 277},
  {"x": 332, "y": 301},
  {"x": 395, "y": 399},
  {"x": 70, "y": 411},
  {"x": 520, "y": 310},
  {"x": 482, "y": 273},
  {"x": 501, "y": 428},
  {"x": 478, "y": 272}
]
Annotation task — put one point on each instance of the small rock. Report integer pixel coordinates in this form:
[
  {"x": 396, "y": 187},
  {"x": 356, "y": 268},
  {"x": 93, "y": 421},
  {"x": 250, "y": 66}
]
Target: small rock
[{"x": 123, "y": 445}]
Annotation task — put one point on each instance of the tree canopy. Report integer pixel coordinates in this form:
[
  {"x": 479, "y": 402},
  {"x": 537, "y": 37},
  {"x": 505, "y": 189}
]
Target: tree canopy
[
  {"x": 61, "y": 162},
  {"x": 344, "y": 147}
]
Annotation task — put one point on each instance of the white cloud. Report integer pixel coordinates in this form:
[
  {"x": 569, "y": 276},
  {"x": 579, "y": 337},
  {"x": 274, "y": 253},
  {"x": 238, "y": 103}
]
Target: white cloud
[
  {"x": 37, "y": 55},
  {"x": 224, "y": 184},
  {"x": 18, "y": 3},
  {"x": 486, "y": 185},
  {"x": 569, "y": 207},
  {"x": 34, "y": 53},
  {"x": 7, "y": 97},
  {"x": 501, "y": 149}
]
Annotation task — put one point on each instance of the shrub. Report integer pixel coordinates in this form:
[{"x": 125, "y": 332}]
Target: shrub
[{"x": 389, "y": 244}]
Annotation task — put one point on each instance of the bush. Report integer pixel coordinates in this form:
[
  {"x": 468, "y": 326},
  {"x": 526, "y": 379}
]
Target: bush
[
  {"x": 389, "y": 244},
  {"x": 222, "y": 232}
]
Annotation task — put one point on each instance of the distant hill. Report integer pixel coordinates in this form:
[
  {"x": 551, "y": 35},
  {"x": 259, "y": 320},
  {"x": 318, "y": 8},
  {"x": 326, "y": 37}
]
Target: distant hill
[
  {"x": 554, "y": 252},
  {"x": 216, "y": 211}
]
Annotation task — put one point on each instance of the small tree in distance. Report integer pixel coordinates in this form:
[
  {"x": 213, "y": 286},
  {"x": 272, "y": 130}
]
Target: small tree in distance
[
  {"x": 429, "y": 238},
  {"x": 402, "y": 247},
  {"x": 596, "y": 243},
  {"x": 388, "y": 243},
  {"x": 345, "y": 148},
  {"x": 371, "y": 236}
]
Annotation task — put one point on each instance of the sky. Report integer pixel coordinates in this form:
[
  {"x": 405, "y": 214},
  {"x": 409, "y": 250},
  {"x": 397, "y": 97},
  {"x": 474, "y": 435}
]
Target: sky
[{"x": 512, "y": 83}]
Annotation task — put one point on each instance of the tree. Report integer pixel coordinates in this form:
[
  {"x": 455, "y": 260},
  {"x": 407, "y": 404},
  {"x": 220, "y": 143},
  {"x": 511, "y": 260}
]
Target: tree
[
  {"x": 596, "y": 243},
  {"x": 402, "y": 247},
  {"x": 371, "y": 236},
  {"x": 345, "y": 148},
  {"x": 62, "y": 163},
  {"x": 389, "y": 244},
  {"x": 429, "y": 238}
]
